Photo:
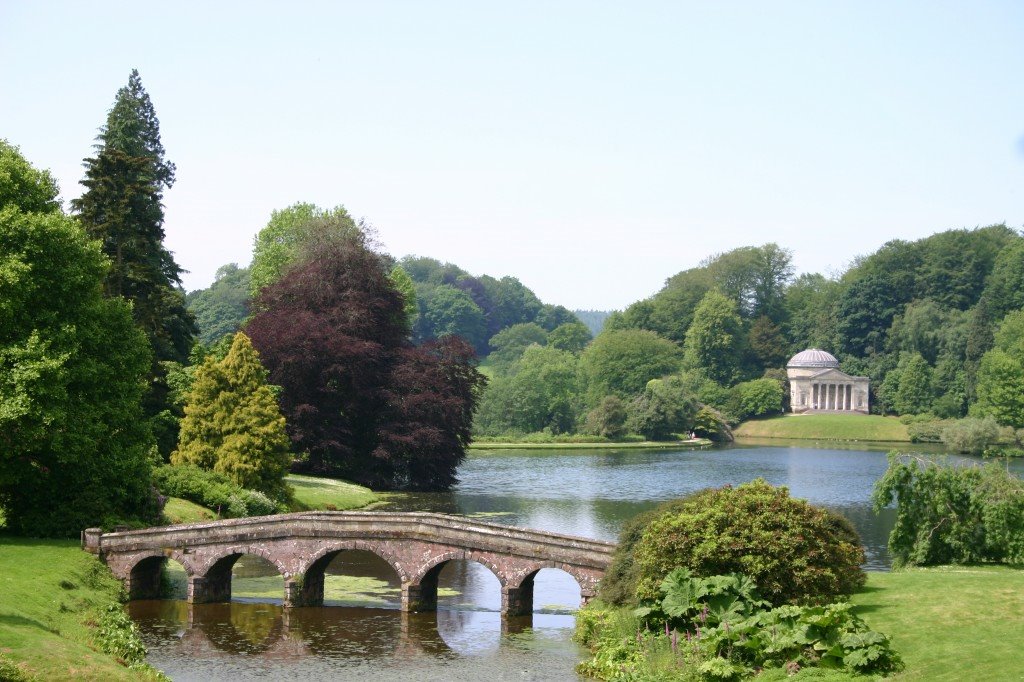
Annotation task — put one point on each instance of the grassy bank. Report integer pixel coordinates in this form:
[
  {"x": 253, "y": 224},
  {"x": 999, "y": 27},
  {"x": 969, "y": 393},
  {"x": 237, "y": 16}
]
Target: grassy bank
[
  {"x": 312, "y": 492},
  {"x": 950, "y": 622},
  {"x": 51, "y": 595},
  {"x": 947, "y": 623},
  {"x": 844, "y": 427},
  {"x": 599, "y": 445}
]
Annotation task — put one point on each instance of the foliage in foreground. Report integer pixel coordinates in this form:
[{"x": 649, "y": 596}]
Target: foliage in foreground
[
  {"x": 795, "y": 552},
  {"x": 947, "y": 514},
  {"x": 717, "y": 628},
  {"x": 214, "y": 491}
]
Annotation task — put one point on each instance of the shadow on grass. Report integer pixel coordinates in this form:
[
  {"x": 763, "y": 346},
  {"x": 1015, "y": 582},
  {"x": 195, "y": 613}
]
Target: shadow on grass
[{"x": 21, "y": 621}]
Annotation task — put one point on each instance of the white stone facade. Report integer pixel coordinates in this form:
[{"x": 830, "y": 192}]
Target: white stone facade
[{"x": 817, "y": 385}]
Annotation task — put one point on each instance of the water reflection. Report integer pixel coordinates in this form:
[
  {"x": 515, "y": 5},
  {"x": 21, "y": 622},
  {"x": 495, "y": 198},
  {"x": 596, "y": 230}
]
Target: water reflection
[
  {"x": 590, "y": 494},
  {"x": 242, "y": 640}
]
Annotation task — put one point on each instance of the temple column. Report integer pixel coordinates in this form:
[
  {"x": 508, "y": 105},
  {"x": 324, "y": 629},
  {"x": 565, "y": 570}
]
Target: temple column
[
  {"x": 814, "y": 396},
  {"x": 849, "y": 396}
]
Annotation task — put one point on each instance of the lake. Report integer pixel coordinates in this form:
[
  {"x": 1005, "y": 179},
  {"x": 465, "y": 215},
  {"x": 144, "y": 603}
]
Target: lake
[{"x": 360, "y": 631}]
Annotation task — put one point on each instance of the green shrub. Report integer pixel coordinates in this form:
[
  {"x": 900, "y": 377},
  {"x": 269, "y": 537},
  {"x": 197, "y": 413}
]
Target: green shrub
[
  {"x": 12, "y": 672},
  {"x": 970, "y": 435},
  {"x": 925, "y": 430},
  {"x": 712, "y": 424},
  {"x": 828, "y": 636},
  {"x": 795, "y": 552},
  {"x": 118, "y": 636},
  {"x": 608, "y": 419},
  {"x": 757, "y": 398},
  {"x": 688, "y": 603},
  {"x": 723, "y": 641},
  {"x": 948, "y": 514},
  {"x": 213, "y": 490}
]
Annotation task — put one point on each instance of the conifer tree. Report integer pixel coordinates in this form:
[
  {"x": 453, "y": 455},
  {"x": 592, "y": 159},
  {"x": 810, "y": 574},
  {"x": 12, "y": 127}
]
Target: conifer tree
[
  {"x": 122, "y": 208},
  {"x": 232, "y": 422}
]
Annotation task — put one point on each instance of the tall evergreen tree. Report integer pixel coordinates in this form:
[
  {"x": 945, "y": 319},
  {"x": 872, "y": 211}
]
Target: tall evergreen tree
[
  {"x": 122, "y": 209},
  {"x": 232, "y": 422}
]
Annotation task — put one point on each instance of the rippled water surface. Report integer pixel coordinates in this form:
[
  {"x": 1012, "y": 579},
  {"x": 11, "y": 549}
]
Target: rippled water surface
[{"x": 588, "y": 493}]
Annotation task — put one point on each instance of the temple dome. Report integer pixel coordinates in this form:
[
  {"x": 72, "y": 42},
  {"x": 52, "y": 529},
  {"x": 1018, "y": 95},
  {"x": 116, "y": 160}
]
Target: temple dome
[{"x": 812, "y": 357}]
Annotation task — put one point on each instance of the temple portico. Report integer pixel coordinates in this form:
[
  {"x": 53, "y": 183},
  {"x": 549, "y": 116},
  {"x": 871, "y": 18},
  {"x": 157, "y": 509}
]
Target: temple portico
[{"x": 817, "y": 385}]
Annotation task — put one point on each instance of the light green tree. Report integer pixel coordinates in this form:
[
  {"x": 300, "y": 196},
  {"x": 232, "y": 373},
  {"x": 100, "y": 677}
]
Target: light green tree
[
  {"x": 663, "y": 410},
  {"x": 571, "y": 336},
  {"x": 757, "y": 398},
  {"x": 73, "y": 444},
  {"x": 508, "y": 345},
  {"x": 913, "y": 392},
  {"x": 540, "y": 392},
  {"x": 621, "y": 362},
  {"x": 1001, "y": 388},
  {"x": 405, "y": 286},
  {"x": 713, "y": 341},
  {"x": 280, "y": 243},
  {"x": 232, "y": 422}
]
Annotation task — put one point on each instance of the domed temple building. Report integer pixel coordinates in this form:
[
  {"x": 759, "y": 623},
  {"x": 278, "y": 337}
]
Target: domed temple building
[{"x": 817, "y": 385}]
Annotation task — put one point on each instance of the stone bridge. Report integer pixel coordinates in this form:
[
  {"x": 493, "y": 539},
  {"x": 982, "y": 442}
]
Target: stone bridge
[{"x": 301, "y": 545}]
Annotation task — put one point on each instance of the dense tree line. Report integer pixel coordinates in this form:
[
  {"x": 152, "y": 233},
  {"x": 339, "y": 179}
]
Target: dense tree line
[
  {"x": 935, "y": 323},
  {"x": 101, "y": 378}
]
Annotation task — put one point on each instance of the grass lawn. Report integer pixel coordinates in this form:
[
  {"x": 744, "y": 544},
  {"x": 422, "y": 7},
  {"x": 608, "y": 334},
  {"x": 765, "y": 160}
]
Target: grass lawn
[
  {"x": 49, "y": 589},
  {"x": 312, "y": 492},
  {"x": 853, "y": 427},
  {"x": 950, "y": 622},
  {"x": 178, "y": 510}
]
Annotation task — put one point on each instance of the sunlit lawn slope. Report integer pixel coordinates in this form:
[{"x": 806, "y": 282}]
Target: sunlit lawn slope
[
  {"x": 862, "y": 427},
  {"x": 950, "y": 622},
  {"x": 177, "y": 510},
  {"x": 48, "y": 590},
  {"x": 328, "y": 493}
]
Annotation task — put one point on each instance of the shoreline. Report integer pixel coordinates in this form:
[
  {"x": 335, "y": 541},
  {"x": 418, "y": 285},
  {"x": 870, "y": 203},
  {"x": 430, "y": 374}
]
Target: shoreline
[{"x": 642, "y": 445}]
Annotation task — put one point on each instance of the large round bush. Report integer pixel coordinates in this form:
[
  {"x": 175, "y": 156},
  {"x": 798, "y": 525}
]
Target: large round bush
[{"x": 795, "y": 552}]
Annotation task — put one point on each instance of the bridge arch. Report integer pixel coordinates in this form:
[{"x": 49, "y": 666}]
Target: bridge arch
[
  {"x": 523, "y": 583},
  {"x": 335, "y": 548},
  {"x": 220, "y": 555},
  {"x": 309, "y": 590},
  {"x": 143, "y": 573},
  {"x": 420, "y": 594},
  {"x": 434, "y": 565},
  {"x": 212, "y": 581}
]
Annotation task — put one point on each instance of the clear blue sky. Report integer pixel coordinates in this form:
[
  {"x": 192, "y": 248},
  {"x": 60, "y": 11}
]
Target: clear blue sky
[{"x": 591, "y": 149}]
